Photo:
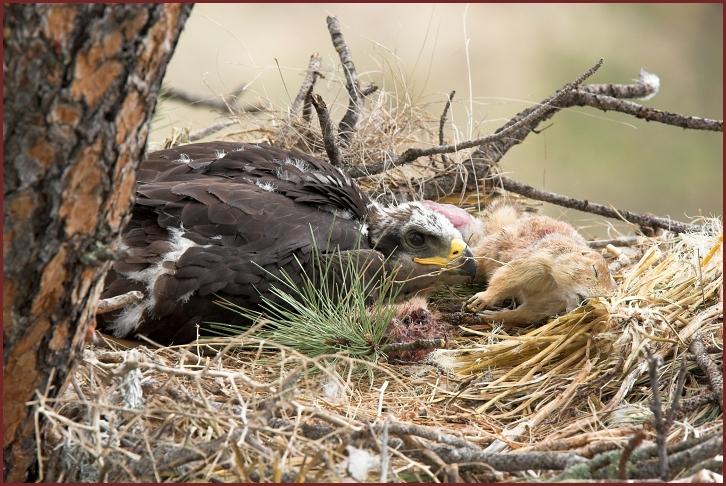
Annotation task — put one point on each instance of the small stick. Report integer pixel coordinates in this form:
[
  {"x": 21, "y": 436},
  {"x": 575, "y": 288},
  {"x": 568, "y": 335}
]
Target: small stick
[
  {"x": 594, "y": 208},
  {"x": 442, "y": 122},
  {"x": 211, "y": 129},
  {"x": 430, "y": 433},
  {"x": 221, "y": 106},
  {"x": 608, "y": 103},
  {"x": 704, "y": 361},
  {"x": 306, "y": 89},
  {"x": 348, "y": 123},
  {"x": 661, "y": 428},
  {"x": 646, "y": 87},
  {"x": 677, "y": 391},
  {"x": 622, "y": 241},
  {"x": 414, "y": 345},
  {"x": 119, "y": 302},
  {"x": 326, "y": 126}
]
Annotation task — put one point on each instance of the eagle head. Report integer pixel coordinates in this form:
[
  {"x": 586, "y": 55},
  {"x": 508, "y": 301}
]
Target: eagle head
[{"x": 423, "y": 245}]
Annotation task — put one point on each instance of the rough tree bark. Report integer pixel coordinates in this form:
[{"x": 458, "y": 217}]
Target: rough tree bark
[{"x": 81, "y": 83}]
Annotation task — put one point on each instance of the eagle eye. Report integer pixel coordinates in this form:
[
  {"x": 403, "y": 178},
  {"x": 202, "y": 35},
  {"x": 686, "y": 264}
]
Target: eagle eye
[{"x": 415, "y": 239}]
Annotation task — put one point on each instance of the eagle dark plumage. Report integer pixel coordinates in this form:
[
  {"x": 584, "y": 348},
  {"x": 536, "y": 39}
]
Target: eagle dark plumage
[{"x": 215, "y": 218}]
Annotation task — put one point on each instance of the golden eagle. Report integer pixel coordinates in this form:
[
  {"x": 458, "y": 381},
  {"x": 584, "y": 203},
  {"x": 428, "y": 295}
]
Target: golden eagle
[{"x": 222, "y": 218}]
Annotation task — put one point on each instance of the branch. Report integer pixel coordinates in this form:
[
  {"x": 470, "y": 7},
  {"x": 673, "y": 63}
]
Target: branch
[
  {"x": 211, "y": 129},
  {"x": 306, "y": 90},
  {"x": 594, "y": 208},
  {"x": 508, "y": 461},
  {"x": 326, "y": 126},
  {"x": 442, "y": 120},
  {"x": 347, "y": 125},
  {"x": 181, "y": 96},
  {"x": 119, "y": 302},
  {"x": 608, "y": 103},
  {"x": 414, "y": 345},
  {"x": 704, "y": 361},
  {"x": 661, "y": 429},
  {"x": 622, "y": 241}
]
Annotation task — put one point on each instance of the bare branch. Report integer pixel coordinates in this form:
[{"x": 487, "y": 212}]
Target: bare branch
[
  {"x": 347, "y": 125},
  {"x": 211, "y": 129},
  {"x": 442, "y": 121},
  {"x": 659, "y": 422},
  {"x": 704, "y": 361},
  {"x": 645, "y": 87},
  {"x": 119, "y": 302},
  {"x": 326, "y": 126},
  {"x": 414, "y": 345},
  {"x": 608, "y": 103},
  {"x": 219, "y": 105},
  {"x": 306, "y": 88},
  {"x": 622, "y": 241},
  {"x": 594, "y": 208},
  {"x": 303, "y": 95}
]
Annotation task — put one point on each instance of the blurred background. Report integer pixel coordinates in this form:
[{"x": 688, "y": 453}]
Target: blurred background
[{"x": 499, "y": 59}]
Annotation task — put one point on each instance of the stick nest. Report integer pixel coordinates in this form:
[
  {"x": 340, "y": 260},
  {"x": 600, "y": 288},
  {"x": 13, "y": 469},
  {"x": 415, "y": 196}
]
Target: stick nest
[{"x": 568, "y": 399}]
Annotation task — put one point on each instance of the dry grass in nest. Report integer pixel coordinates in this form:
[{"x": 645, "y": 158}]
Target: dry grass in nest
[{"x": 243, "y": 409}]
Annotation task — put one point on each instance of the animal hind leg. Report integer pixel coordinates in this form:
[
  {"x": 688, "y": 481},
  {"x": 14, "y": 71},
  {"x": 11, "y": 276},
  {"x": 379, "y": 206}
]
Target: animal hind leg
[{"x": 521, "y": 316}]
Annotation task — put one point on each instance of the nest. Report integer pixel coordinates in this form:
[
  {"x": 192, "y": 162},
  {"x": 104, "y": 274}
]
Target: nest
[{"x": 572, "y": 398}]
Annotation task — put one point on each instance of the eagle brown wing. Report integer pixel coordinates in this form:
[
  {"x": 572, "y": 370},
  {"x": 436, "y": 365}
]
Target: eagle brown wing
[{"x": 224, "y": 218}]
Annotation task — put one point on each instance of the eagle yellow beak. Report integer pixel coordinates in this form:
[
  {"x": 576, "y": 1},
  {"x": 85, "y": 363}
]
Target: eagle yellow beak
[{"x": 455, "y": 251}]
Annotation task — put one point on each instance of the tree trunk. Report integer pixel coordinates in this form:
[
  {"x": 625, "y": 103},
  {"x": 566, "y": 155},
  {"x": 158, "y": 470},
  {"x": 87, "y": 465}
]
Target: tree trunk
[{"x": 81, "y": 83}]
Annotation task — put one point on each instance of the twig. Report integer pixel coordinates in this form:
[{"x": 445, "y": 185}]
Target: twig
[
  {"x": 594, "y": 208},
  {"x": 399, "y": 428},
  {"x": 677, "y": 391},
  {"x": 414, "y": 345},
  {"x": 645, "y": 87},
  {"x": 694, "y": 403},
  {"x": 348, "y": 123},
  {"x": 118, "y": 302},
  {"x": 508, "y": 461},
  {"x": 442, "y": 122},
  {"x": 211, "y": 129},
  {"x": 622, "y": 241},
  {"x": 306, "y": 90},
  {"x": 704, "y": 361},
  {"x": 327, "y": 129},
  {"x": 661, "y": 428},
  {"x": 608, "y": 103},
  {"x": 221, "y": 106}
]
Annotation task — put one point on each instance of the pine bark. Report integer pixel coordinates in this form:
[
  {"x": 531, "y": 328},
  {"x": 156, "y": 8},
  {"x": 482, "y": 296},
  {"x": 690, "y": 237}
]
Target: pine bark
[{"x": 81, "y": 83}]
